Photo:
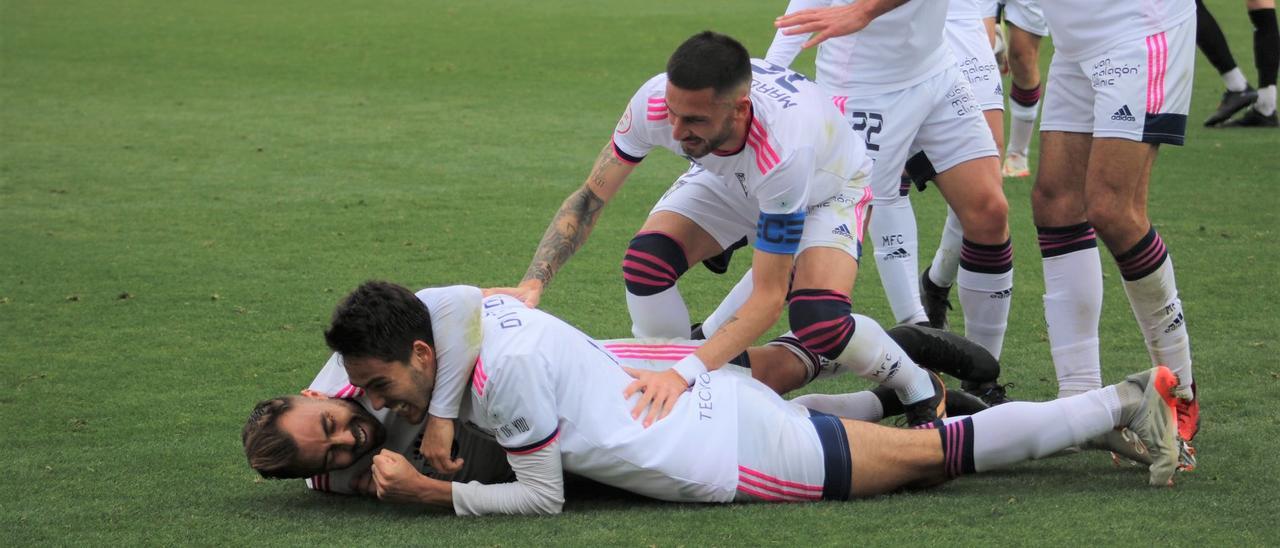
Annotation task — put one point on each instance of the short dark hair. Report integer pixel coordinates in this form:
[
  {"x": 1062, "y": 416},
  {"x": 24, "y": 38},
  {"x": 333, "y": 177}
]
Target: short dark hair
[
  {"x": 379, "y": 320},
  {"x": 271, "y": 452},
  {"x": 709, "y": 60}
]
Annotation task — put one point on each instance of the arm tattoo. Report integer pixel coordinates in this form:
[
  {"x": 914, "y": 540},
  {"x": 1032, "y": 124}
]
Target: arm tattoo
[
  {"x": 604, "y": 161},
  {"x": 570, "y": 227}
]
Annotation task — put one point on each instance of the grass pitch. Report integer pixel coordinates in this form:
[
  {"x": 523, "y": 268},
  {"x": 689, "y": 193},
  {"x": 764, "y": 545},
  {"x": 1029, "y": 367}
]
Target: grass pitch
[{"x": 186, "y": 188}]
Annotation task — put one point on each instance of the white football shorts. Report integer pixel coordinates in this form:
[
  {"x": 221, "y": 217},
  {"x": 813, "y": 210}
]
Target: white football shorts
[
  {"x": 969, "y": 42},
  {"x": 719, "y": 206},
  {"x": 940, "y": 116},
  {"x": 1139, "y": 90},
  {"x": 1026, "y": 15}
]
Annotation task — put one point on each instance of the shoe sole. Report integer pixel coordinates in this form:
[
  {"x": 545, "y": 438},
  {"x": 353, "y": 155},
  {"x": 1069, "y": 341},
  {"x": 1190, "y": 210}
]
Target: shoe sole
[
  {"x": 1156, "y": 423},
  {"x": 1015, "y": 173}
]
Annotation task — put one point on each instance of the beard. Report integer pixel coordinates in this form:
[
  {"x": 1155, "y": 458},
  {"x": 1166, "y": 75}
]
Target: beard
[
  {"x": 366, "y": 430},
  {"x": 699, "y": 147}
]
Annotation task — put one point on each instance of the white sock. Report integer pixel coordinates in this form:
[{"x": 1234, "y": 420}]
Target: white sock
[
  {"x": 872, "y": 355},
  {"x": 1022, "y": 122},
  {"x": 662, "y": 315},
  {"x": 946, "y": 261},
  {"x": 984, "y": 298},
  {"x": 893, "y": 232},
  {"x": 1019, "y": 431},
  {"x": 1155, "y": 303},
  {"x": 862, "y": 406},
  {"x": 1234, "y": 80},
  {"x": 1072, "y": 308},
  {"x": 1266, "y": 103},
  {"x": 729, "y": 305}
]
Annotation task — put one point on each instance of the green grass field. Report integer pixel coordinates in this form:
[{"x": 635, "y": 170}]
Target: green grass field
[{"x": 187, "y": 188}]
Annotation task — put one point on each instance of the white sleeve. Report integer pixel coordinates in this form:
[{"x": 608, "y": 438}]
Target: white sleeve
[
  {"x": 642, "y": 123},
  {"x": 784, "y": 49},
  {"x": 538, "y": 489},
  {"x": 455, "y": 323}
]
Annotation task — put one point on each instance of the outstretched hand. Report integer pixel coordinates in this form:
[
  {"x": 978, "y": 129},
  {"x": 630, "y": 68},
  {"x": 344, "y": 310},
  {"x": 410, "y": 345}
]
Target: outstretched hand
[
  {"x": 824, "y": 23},
  {"x": 658, "y": 390},
  {"x": 529, "y": 292}
]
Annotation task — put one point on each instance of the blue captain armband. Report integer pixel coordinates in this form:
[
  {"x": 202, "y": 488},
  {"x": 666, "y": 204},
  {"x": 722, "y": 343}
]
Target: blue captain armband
[{"x": 779, "y": 233}]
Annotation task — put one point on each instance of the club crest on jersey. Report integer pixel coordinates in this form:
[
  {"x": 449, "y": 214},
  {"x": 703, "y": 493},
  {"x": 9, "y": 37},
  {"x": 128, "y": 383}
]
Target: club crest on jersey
[{"x": 624, "y": 124}]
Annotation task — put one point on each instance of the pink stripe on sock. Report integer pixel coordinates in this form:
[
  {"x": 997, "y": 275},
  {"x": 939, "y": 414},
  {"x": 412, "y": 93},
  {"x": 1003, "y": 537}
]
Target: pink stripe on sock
[
  {"x": 643, "y": 281},
  {"x": 641, "y": 268},
  {"x": 657, "y": 262}
]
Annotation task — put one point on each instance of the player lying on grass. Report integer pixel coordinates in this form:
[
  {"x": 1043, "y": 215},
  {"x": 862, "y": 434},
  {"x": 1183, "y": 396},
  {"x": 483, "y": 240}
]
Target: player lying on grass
[
  {"x": 558, "y": 402},
  {"x": 329, "y": 432}
]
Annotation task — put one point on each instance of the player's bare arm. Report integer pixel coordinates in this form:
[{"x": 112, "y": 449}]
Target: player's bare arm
[
  {"x": 571, "y": 225},
  {"x": 660, "y": 390},
  {"x": 831, "y": 22}
]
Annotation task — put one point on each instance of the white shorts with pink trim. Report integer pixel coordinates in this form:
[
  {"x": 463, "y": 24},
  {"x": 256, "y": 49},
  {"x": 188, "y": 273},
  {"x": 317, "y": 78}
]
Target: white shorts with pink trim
[
  {"x": 719, "y": 206},
  {"x": 780, "y": 457},
  {"x": 1139, "y": 90}
]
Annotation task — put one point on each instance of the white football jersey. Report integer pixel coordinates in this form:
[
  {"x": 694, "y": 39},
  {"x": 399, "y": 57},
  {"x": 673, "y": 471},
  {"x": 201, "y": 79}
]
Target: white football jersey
[
  {"x": 540, "y": 380},
  {"x": 1087, "y": 28},
  {"x": 799, "y": 152},
  {"x": 899, "y": 49}
]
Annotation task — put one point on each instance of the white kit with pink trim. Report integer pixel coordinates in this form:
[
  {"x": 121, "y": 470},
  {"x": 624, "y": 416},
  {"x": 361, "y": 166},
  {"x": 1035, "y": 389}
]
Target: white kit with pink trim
[
  {"x": 539, "y": 380},
  {"x": 799, "y": 151}
]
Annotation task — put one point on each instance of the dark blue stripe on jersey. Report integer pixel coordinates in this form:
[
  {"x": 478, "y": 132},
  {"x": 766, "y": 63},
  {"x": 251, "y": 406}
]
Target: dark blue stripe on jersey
[
  {"x": 625, "y": 157},
  {"x": 602, "y": 351},
  {"x": 837, "y": 482},
  {"x": 1167, "y": 128},
  {"x": 779, "y": 232},
  {"x": 534, "y": 446}
]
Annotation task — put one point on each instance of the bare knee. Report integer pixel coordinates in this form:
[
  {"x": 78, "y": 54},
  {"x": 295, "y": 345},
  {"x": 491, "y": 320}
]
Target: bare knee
[
  {"x": 1024, "y": 63},
  {"x": 1116, "y": 222},
  {"x": 986, "y": 221}
]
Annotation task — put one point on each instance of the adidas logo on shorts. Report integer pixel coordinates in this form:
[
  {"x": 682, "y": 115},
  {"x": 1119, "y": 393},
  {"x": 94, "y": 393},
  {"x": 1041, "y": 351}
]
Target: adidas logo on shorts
[
  {"x": 842, "y": 230},
  {"x": 1124, "y": 115},
  {"x": 900, "y": 253}
]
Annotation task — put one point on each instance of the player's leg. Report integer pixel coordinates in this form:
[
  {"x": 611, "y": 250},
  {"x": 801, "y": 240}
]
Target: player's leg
[
  {"x": 1120, "y": 160},
  {"x": 969, "y": 40},
  {"x": 884, "y": 459},
  {"x": 1266, "y": 56},
  {"x": 959, "y": 145},
  {"x": 821, "y": 315},
  {"x": 692, "y": 222},
  {"x": 889, "y": 123},
  {"x": 1072, "y": 268},
  {"x": 1213, "y": 43},
  {"x": 1266, "y": 53},
  {"x": 1026, "y": 27}
]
